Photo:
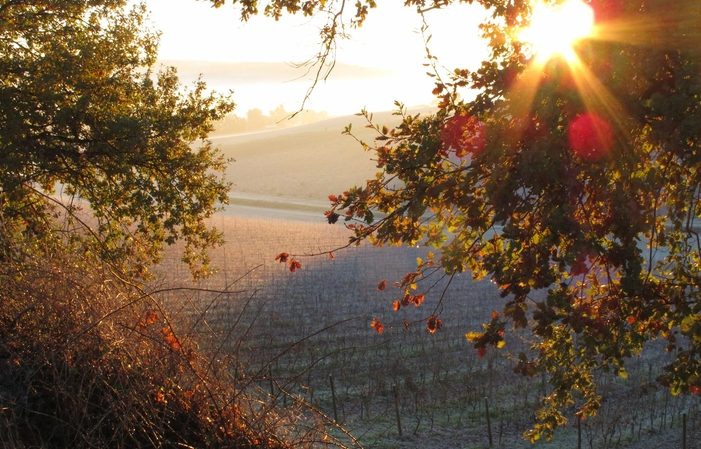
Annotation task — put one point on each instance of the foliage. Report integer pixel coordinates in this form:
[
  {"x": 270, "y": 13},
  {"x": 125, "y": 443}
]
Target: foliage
[
  {"x": 575, "y": 178},
  {"x": 573, "y": 183},
  {"x": 88, "y": 359},
  {"x": 102, "y": 163},
  {"x": 85, "y": 121}
]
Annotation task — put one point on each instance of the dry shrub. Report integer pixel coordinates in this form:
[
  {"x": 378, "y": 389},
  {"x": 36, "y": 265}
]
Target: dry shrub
[{"x": 87, "y": 359}]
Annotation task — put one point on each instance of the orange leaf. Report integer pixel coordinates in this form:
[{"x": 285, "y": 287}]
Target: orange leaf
[
  {"x": 379, "y": 327},
  {"x": 282, "y": 257},
  {"x": 171, "y": 339},
  {"x": 396, "y": 305},
  {"x": 433, "y": 323},
  {"x": 382, "y": 285},
  {"x": 495, "y": 315},
  {"x": 418, "y": 299},
  {"x": 150, "y": 318},
  {"x": 294, "y": 265},
  {"x": 331, "y": 256}
]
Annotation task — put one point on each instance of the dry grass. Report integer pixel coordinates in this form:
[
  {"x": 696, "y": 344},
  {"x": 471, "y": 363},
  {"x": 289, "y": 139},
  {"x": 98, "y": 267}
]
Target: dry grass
[{"x": 89, "y": 359}]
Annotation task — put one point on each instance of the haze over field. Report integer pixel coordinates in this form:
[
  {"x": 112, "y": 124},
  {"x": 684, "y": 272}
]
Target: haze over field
[{"x": 380, "y": 63}]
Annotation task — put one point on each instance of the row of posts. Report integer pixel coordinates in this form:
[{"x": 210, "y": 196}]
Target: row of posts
[{"x": 395, "y": 393}]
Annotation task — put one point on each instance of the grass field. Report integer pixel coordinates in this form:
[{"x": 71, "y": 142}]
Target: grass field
[{"x": 287, "y": 333}]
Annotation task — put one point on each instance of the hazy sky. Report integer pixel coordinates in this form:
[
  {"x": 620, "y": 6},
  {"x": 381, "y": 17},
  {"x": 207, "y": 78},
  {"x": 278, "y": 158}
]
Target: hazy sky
[{"x": 193, "y": 30}]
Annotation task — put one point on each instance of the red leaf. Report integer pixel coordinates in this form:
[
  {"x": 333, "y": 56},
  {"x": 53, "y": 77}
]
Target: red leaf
[
  {"x": 294, "y": 265},
  {"x": 418, "y": 299},
  {"x": 282, "y": 257},
  {"x": 331, "y": 256},
  {"x": 482, "y": 351},
  {"x": 382, "y": 285}
]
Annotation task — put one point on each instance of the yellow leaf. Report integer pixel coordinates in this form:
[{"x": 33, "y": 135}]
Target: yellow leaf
[{"x": 472, "y": 336}]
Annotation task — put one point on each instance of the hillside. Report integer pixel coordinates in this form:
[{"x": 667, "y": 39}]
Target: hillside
[{"x": 300, "y": 164}]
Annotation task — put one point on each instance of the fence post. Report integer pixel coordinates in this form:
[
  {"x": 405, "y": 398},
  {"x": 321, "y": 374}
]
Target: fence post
[
  {"x": 683, "y": 430},
  {"x": 333, "y": 399},
  {"x": 270, "y": 379},
  {"x": 579, "y": 431},
  {"x": 396, "y": 408},
  {"x": 489, "y": 423}
]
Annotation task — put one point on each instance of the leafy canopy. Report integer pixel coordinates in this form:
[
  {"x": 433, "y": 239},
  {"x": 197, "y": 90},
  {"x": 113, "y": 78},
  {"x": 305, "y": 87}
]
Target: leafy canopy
[
  {"x": 86, "y": 123},
  {"x": 578, "y": 176}
]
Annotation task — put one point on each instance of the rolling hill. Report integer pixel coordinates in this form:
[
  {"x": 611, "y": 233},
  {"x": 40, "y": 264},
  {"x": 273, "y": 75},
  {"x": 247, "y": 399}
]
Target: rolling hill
[{"x": 299, "y": 167}]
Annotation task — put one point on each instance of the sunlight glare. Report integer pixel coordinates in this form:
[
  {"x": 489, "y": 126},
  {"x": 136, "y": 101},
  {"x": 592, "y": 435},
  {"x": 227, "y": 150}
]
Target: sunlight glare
[{"x": 554, "y": 29}]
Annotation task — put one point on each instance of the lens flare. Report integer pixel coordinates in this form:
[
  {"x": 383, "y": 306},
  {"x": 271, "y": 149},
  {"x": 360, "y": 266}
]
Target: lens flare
[
  {"x": 463, "y": 134},
  {"x": 590, "y": 136}
]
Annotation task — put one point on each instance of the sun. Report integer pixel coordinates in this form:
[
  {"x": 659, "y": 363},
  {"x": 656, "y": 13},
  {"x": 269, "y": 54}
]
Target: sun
[{"x": 554, "y": 29}]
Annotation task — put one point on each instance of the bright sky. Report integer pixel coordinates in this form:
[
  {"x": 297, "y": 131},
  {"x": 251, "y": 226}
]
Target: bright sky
[{"x": 390, "y": 40}]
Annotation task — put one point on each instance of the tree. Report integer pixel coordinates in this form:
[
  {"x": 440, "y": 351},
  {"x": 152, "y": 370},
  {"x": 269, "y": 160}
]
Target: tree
[
  {"x": 86, "y": 122},
  {"x": 578, "y": 176}
]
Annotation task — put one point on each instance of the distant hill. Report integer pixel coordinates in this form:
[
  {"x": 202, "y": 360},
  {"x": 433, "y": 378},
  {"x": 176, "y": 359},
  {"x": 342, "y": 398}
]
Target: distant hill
[{"x": 303, "y": 164}]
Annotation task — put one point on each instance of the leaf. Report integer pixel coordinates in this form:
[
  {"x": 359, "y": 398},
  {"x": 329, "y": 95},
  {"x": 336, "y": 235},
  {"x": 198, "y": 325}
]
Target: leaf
[
  {"x": 172, "y": 341},
  {"x": 396, "y": 305},
  {"x": 331, "y": 217},
  {"x": 418, "y": 299},
  {"x": 382, "y": 285},
  {"x": 295, "y": 265},
  {"x": 282, "y": 257},
  {"x": 379, "y": 327},
  {"x": 433, "y": 323},
  {"x": 473, "y": 336},
  {"x": 151, "y": 316}
]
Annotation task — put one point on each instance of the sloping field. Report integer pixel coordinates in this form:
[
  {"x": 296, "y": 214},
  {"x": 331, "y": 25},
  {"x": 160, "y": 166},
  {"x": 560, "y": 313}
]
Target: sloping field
[{"x": 307, "y": 162}]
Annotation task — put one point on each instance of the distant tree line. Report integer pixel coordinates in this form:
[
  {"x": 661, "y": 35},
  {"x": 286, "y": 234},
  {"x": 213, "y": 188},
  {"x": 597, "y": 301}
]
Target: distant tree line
[{"x": 256, "y": 120}]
